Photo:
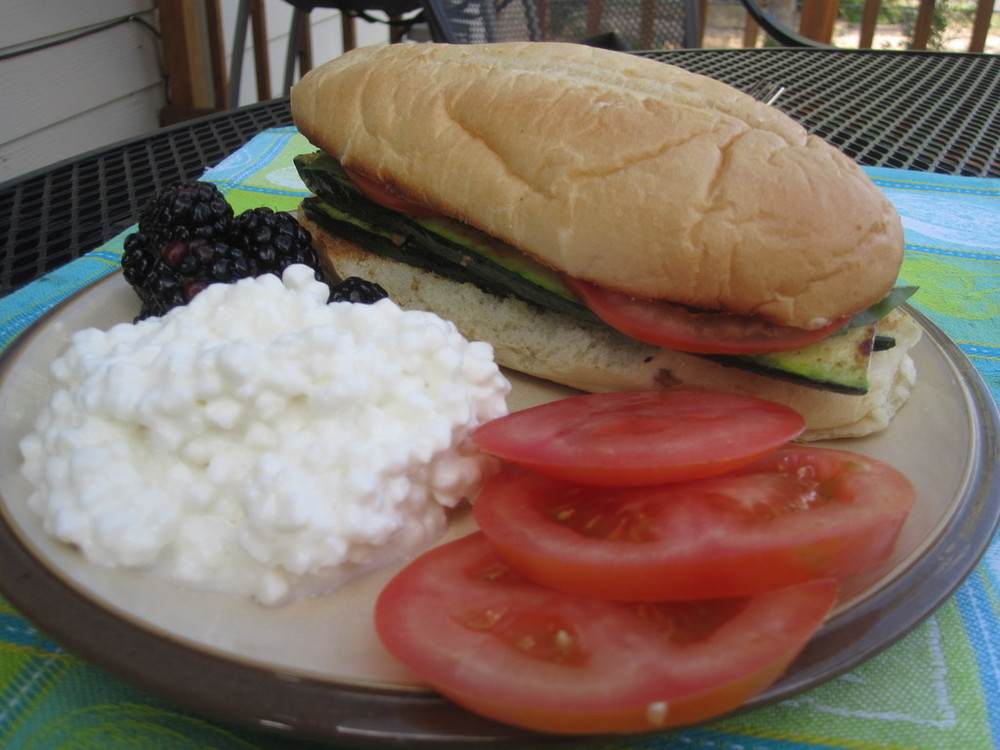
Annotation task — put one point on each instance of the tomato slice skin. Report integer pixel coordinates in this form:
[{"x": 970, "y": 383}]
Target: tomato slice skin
[
  {"x": 672, "y": 326},
  {"x": 386, "y": 197},
  {"x": 640, "y": 437},
  {"x": 798, "y": 514},
  {"x": 537, "y": 658}
]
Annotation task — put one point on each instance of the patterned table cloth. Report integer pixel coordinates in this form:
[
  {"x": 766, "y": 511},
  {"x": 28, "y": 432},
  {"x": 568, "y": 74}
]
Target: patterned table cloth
[{"x": 938, "y": 688}]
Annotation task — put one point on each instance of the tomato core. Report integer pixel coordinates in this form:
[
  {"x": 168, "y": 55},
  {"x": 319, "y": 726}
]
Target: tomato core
[
  {"x": 690, "y": 622},
  {"x": 600, "y": 516},
  {"x": 767, "y": 497}
]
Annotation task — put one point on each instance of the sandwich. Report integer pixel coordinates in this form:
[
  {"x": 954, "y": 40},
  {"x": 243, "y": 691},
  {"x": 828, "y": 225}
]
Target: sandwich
[{"x": 610, "y": 222}]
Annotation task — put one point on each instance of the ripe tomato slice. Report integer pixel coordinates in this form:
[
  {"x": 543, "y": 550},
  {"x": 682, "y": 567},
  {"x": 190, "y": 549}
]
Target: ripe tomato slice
[
  {"x": 640, "y": 437},
  {"x": 386, "y": 197},
  {"x": 673, "y": 326},
  {"x": 798, "y": 514},
  {"x": 534, "y": 657}
]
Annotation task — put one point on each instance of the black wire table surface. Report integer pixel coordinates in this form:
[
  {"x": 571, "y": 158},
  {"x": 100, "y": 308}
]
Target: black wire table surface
[{"x": 926, "y": 111}]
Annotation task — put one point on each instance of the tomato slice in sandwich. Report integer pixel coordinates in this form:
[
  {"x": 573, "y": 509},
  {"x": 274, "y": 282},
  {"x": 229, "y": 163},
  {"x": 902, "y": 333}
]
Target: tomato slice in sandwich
[
  {"x": 534, "y": 657},
  {"x": 798, "y": 514},
  {"x": 385, "y": 196},
  {"x": 673, "y": 326},
  {"x": 640, "y": 437}
]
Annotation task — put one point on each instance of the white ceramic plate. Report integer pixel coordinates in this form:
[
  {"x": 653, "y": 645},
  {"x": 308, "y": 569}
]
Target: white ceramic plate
[{"x": 316, "y": 668}]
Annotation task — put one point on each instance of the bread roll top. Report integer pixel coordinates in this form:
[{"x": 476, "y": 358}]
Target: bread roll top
[{"x": 617, "y": 169}]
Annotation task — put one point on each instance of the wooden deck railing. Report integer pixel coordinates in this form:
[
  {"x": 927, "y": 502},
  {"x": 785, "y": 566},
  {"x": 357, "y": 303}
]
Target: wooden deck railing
[{"x": 819, "y": 16}]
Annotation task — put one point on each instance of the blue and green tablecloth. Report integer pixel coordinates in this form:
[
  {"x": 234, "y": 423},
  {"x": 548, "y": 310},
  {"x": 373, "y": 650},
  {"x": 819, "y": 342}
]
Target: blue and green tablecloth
[{"x": 938, "y": 688}]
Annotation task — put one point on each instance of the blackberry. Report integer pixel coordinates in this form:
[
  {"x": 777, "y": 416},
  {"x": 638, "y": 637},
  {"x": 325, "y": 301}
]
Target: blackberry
[
  {"x": 185, "y": 211},
  {"x": 146, "y": 271},
  {"x": 158, "y": 286},
  {"x": 169, "y": 275},
  {"x": 188, "y": 238},
  {"x": 275, "y": 240},
  {"x": 356, "y": 289},
  {"x": 207, "y": 260},
  {"x": 163, "y": 293},
  {"x": 138, "y": 259}
]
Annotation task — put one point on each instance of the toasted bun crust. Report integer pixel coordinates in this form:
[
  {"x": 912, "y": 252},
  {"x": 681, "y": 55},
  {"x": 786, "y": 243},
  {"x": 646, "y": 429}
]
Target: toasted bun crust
[
  {"x": 595, "y": 358},
  {"x": 614, "y": 168}
]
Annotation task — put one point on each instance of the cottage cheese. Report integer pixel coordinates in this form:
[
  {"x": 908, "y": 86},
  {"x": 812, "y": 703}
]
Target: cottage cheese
[{"x": 261, "y": 442}]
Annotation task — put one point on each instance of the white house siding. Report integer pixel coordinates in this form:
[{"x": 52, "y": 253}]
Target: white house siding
[
  {"x": 90, "y": 92},
  {"x": 76, "y": 96}
]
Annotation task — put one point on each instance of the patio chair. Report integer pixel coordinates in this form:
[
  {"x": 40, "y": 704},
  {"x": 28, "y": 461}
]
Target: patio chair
[
  {"x": 775, "y": 29},
  {"x": 617, "y": 24},
  {"x": 298, "y": 33}
]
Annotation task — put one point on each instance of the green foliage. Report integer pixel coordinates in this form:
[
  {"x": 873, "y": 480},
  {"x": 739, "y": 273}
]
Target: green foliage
[{"x": 948, "y": 14}]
